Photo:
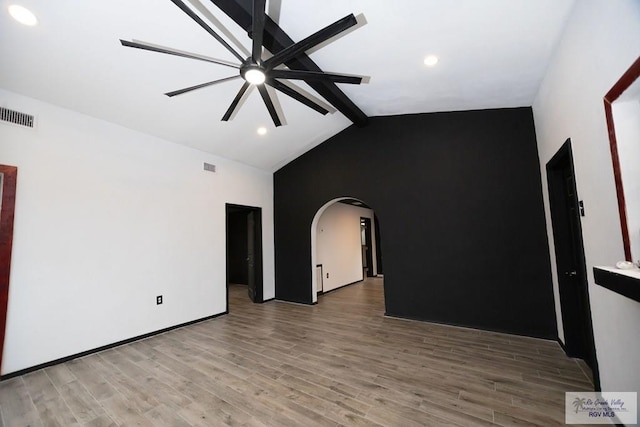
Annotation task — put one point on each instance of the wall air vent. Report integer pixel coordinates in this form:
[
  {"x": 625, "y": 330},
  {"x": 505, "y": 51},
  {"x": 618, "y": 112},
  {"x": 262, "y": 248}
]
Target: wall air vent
[
  {"x": 209, "y": 167},
  {"x": 16, "y": 118}
]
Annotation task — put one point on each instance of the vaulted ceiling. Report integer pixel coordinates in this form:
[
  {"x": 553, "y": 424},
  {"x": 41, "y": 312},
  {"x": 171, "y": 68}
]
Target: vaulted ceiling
[{"x": 492, "y": 54}]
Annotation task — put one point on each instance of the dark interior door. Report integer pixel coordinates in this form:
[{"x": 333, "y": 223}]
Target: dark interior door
[
  {"x": 251, "y": 276},
  {"x": 570, "y": 262},
  {"x": 237, "y": 248}
]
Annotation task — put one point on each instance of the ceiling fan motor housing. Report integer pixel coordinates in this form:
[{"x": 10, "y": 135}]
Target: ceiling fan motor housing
[{"x": 252, "y": 72}]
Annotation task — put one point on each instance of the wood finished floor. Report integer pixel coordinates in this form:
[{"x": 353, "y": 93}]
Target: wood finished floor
[{"x": 278, "y": 364}]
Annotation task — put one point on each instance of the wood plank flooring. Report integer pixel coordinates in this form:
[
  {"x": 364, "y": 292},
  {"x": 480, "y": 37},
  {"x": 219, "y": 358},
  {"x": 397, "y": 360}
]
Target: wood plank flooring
[{"x": 340, "y": 362}]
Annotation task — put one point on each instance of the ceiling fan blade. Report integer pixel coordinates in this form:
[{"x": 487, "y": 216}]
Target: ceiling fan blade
[
  {"x": 269, "y": 103},
  {"x": 170, "y": 51},
  {"x": 206, "y": 27},
  {"x": 235, "y": 102},
  {"x": 291, "y": 84},
  {"x": 257, "y": 30},
  {"x": 311, "y": 41},
  {"x": 314, "y": 75},
  {"x": 200, "y": 86},
  {"x": 297, "y": 96},
  {"x": 216, "y": 23}
]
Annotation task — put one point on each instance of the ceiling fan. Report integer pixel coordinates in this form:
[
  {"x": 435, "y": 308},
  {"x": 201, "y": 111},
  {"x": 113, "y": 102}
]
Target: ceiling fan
[{"x": 254, "y": 70}]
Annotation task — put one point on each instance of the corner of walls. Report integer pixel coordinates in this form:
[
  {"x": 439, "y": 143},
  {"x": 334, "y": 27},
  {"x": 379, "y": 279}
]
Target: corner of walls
[{"x": 599, "y": 43}]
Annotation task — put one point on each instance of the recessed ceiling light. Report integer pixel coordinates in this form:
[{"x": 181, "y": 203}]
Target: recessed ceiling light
[
  {"x": 22, "y": 15},
  {"x": 262, "y": 130},
  {"x": 430, "y": 60}
]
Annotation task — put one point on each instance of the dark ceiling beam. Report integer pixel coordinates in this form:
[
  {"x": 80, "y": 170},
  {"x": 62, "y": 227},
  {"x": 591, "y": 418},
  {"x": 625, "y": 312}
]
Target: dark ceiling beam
[{"x": 275, "y": 40}]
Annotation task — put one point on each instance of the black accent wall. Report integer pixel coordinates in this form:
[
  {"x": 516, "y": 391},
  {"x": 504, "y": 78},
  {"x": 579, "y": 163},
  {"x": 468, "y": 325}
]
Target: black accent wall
[{"x": 458, "y": 197}]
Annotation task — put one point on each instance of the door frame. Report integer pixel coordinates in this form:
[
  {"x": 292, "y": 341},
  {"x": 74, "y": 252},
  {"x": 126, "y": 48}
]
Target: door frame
[
  {"x": 8, "y": 190},
  {"x": 257, "y": 235},
  {"x": 379, "y": 268},
  {"x": 579, "y": 297},
  {"x": 369, "y": 244}
]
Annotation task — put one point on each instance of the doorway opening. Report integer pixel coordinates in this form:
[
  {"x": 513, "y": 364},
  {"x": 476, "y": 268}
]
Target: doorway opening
[
  {"x": 244, "y": 251},
  {"x": 570, "y": 262},
  {"x": 345, "y": 246}
]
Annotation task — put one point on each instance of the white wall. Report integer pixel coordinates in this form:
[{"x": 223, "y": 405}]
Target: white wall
[
  {"x": 626, "y": 116},
  {"x": 106, "y": 219},
  {"x": 339, "y": 247},
  {"x": 600, "y": 42}
]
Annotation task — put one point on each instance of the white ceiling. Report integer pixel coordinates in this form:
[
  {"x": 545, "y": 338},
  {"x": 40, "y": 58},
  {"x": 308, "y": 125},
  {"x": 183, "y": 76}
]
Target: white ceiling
[{"x": 493, "y": 53}]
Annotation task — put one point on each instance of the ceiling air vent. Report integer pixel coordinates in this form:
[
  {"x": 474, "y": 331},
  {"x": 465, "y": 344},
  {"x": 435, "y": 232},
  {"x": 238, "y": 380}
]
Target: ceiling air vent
[
  {"x": 209, "y": 167},
  {"x": 16, "y": 118}
]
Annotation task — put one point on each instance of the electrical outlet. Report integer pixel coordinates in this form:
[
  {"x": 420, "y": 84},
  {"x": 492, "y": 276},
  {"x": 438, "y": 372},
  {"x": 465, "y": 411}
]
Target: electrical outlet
[
  {"x": 159, "y": 300},
  {"x": 327, "y": 275}
]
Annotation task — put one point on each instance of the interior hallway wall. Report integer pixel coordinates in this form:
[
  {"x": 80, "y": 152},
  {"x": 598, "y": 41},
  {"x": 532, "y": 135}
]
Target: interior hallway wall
[
  {"x": 106, "y": 219},
  {"x": 599, "y": 44}
]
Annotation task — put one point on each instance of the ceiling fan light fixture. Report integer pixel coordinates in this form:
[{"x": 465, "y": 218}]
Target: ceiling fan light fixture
[
  {"x": 256, "y": 72},
  {"x": 430, "y": 60},
  {"x": 255, "y": 76},
  {"x": 22, "y": 15}
]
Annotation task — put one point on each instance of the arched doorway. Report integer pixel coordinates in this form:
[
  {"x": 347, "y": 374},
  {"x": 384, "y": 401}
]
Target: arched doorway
[{"x": 345, "y": 245}]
